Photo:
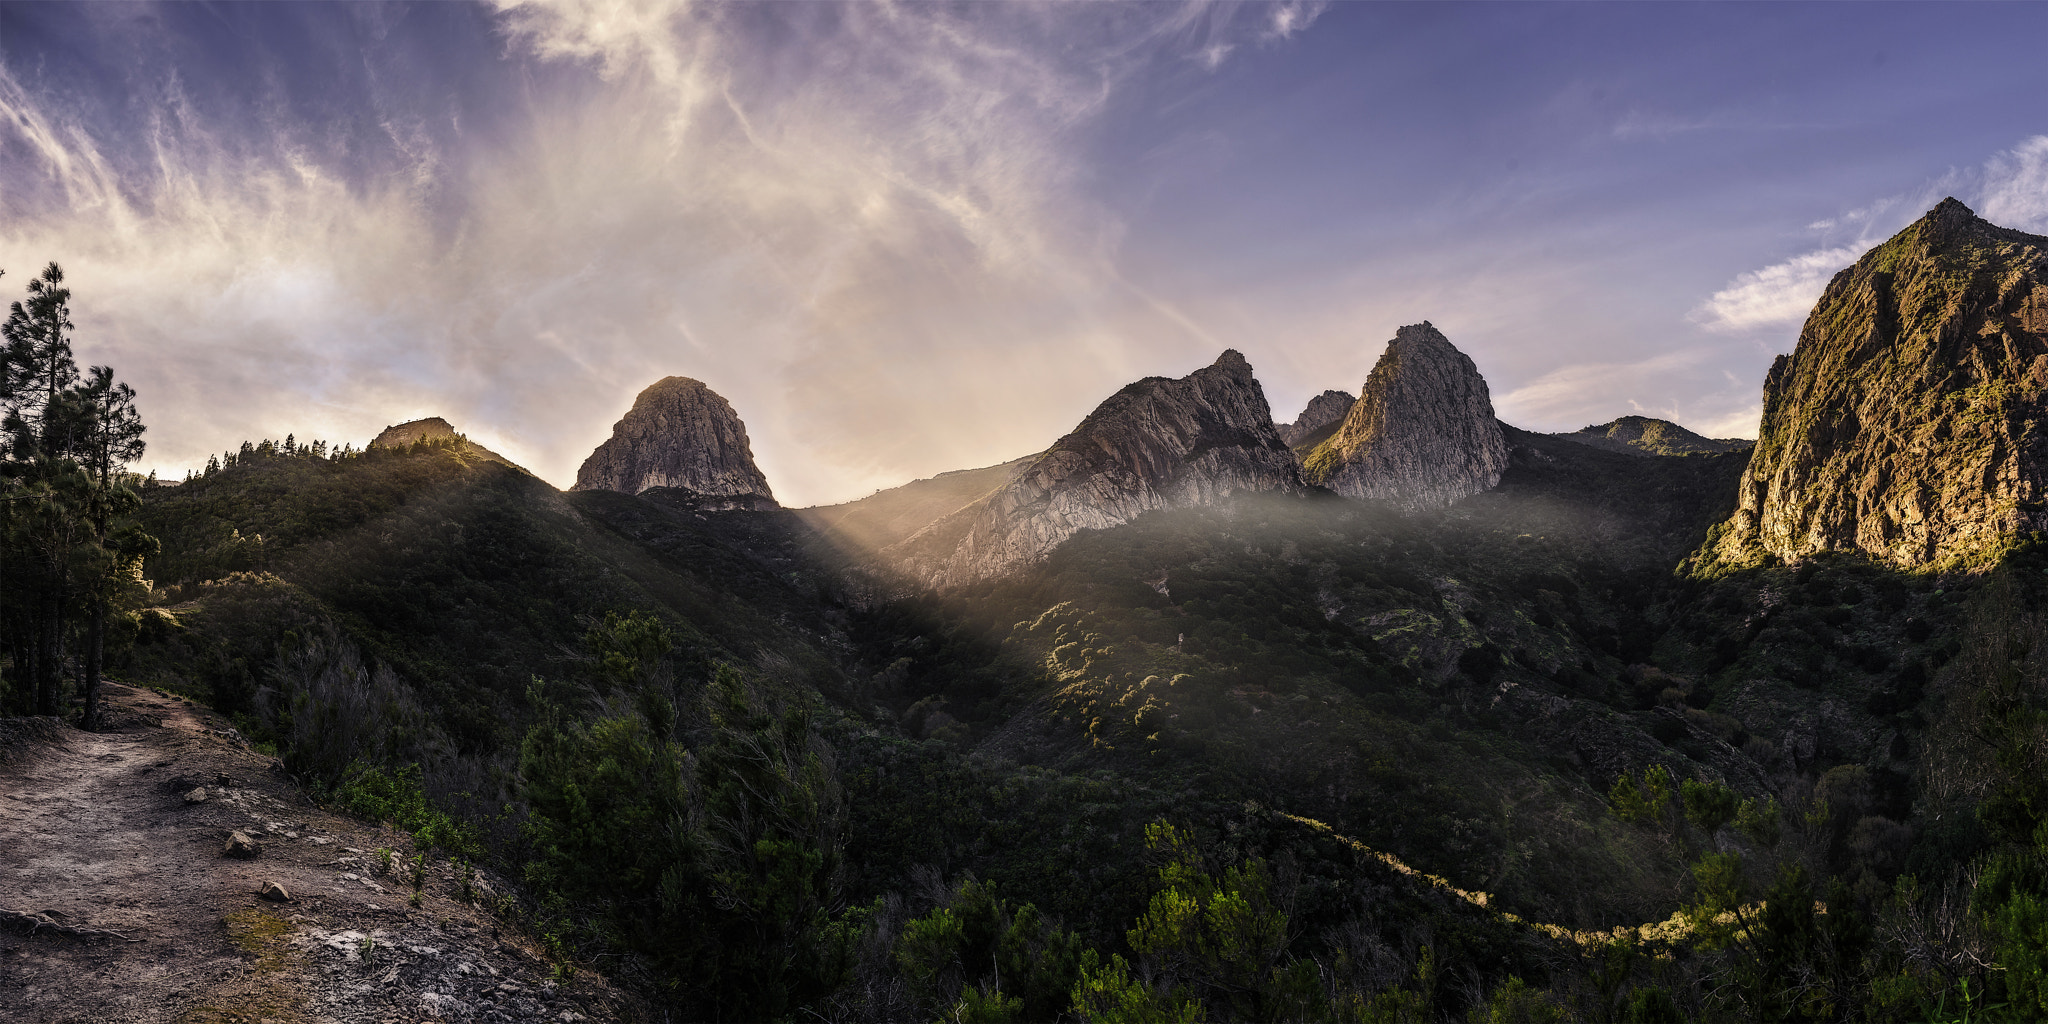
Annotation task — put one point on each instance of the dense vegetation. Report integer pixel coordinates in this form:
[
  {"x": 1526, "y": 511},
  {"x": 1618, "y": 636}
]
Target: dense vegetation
[
  {"x": 68, "y": 554},
  {"x": 1272, "y": 759}
]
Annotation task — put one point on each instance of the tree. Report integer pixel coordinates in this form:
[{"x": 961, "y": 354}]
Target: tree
[
  {"x": 66, "y": 441},
  {"x": 38, "y": 367},
  {"x": 110, "y": 436}
]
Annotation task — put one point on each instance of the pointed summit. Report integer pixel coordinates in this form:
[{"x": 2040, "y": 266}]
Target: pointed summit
[
  {"x": 1906, "y": 422},
  {"x": 1234, "y": 363},
  {"x": 1422, "y": 434},
  {"x": 1158, "y": 443},
  {"x": 679, "y": 434}
]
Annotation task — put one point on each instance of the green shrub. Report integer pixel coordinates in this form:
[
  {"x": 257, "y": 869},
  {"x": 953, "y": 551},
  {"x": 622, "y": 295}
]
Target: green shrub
[{"x": 370, "y": 792}]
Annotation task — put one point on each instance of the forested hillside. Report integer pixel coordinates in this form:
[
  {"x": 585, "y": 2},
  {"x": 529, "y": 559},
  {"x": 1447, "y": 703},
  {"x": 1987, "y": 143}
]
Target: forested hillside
[
  {"x": 699, "y": 746},
  {"x": 1546, "y": 752}
]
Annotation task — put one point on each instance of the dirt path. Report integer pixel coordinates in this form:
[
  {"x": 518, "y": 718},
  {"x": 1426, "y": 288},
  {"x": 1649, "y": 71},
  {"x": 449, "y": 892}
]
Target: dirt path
[{"x": 96, "y": 835}]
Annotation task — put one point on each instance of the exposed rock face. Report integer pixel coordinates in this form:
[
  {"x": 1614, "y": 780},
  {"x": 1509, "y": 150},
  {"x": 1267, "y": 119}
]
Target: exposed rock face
[
  {"x": 1641, "y": 435},
  {"x": 429, "y": 429},
  {"x": 679, "y": 434},
  {"x": 433, "y": 428},
  {"x": 1321, "y": 417},
  {"x": 1422, "y": 434},
  {"x": 1908, "y": 422},
  {"x": 1158, "y": 443}
]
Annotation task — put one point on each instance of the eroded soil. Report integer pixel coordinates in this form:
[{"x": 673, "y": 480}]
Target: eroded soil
[{"x": 96, "y": 836}]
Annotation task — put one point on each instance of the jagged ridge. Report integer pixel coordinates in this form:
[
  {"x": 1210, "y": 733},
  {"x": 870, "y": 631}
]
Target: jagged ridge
[{"x": 1158, "y": 443}]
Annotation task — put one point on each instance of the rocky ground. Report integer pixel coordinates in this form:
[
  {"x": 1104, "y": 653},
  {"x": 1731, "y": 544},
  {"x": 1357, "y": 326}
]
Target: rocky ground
[{"x": 120, "y": 902}]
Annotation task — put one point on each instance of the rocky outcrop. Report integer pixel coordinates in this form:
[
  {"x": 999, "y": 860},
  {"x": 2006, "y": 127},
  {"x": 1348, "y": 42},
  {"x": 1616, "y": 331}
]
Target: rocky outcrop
[
  {"x": 1422, "y": 434},
  {"x": 1908, "y": 421},
  {"x": 1318, "y": 420},
  {"x": 432, "y": 429},
  {"x": 1158, "y": 443},
  {"x": 1642, "y": 435},
  {"x": 679, "y": 434}
]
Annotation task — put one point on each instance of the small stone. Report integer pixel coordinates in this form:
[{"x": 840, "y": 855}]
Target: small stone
[
  {"x": 223, "y": 781},
  {"x": 240, "y": 845},
  {"x": 197, "y": 796},
  {"x": 275, "y": 892}
]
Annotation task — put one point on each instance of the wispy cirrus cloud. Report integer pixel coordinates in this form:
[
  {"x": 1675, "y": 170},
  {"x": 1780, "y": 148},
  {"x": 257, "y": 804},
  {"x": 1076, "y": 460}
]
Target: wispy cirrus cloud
[{"x": 866, "y": 225}]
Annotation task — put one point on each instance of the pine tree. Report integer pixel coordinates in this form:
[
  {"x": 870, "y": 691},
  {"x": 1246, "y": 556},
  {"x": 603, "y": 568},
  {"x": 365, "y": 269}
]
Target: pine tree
[
  {"x": 112, "y": 439},
  {"x": 39, "y": 369}
]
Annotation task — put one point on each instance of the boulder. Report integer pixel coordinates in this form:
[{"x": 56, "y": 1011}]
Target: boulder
[{"x": 241, "y": 846}]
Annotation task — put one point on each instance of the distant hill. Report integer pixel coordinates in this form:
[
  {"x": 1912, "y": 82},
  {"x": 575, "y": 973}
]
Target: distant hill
[
  {"x": 1642, "y": 435},
  {"x": 885, "y": 517}
]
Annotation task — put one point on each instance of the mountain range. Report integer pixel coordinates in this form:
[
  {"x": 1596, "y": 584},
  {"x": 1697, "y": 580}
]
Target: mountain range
[{"x": 1427, "y": 716}]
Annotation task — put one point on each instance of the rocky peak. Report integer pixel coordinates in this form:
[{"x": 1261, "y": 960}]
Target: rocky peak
[
  {"x": 1318, "y": 419},
  {"x": 679, "y": 434},
  {"x": 1158, "y": 443},
  {"x": 1422, "y": 433},
  {"x": 1907, "y": 422}
]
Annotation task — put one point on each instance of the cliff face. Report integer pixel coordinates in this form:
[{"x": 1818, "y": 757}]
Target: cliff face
[
  {"x": 1158, "y": 443},
  {"x": 1908, "y": 421},
  {"x": 1422, "y": 434},
  {"x": 1318, "y": 420},
  {"x": 679, "y": 434},
  {"x": 1642, "y": 435}
]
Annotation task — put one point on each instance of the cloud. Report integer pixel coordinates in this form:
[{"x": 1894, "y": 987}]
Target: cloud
[
  {"x": 1782, "y": 293},
  {"x": 2015, "y": 189},
  {"x": 867, "y": 225},
  {"x": 1294, "y": 17},
  {"x": 2010, "y": 189},
  {"x": 1643, "y": 124}
]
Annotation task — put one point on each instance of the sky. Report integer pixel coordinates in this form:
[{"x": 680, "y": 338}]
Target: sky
[{"x": 908, "y": 238}]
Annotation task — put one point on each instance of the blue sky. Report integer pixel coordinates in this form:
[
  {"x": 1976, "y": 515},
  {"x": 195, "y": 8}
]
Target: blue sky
[{"x": 906, "y": 238}]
